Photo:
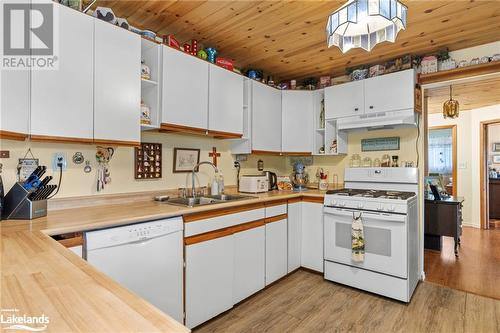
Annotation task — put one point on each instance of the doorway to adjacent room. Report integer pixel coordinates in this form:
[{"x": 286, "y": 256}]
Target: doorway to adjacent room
[
  {"x": 490, "y": 173},
  {"x": 462, "y": 247}
]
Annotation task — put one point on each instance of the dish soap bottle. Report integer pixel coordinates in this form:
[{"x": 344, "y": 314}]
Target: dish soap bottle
[{"x": 214, "y": 189}]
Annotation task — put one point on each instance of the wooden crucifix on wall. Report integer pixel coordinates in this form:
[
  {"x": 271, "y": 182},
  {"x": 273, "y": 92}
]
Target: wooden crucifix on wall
[{"x": 214, "y": 154}]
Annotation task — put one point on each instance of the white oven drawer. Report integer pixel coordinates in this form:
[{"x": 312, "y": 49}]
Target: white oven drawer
[{"x": 385, "y": 241}]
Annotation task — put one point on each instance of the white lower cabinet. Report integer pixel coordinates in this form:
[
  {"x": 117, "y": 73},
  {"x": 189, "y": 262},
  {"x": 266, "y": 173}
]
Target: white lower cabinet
[
  {"x": 276, "y": 250},
  {"x": 312, "y": 236},
  {"x": 294, "y": 235},
  {"x": 249, "y": 262},
  {"x": 209, "y": 279}
]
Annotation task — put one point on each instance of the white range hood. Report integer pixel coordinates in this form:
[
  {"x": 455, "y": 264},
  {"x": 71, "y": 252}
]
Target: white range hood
[{"x": 378, "y": 120}]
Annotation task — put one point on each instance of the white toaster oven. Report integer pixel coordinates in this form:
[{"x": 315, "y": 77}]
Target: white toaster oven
[{"x": 253, "y": 184}]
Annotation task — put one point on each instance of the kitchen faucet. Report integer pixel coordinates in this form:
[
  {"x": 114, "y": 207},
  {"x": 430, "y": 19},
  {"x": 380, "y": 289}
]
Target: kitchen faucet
[{"x": 196, "y": 167}]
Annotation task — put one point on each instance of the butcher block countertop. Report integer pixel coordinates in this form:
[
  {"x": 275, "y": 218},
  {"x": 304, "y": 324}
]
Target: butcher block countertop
[{"x": 42, "y": 277}]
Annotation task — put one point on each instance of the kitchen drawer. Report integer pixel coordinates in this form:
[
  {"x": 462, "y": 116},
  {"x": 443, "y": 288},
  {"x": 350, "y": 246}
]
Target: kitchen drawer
[
  {"x": 224, "y": 221},
  {"x": 276, "y": 210},
  {"x": 382, "y": 284}
]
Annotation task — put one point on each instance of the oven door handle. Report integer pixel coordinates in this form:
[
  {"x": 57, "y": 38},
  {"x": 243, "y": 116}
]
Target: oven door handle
[{"x": 378, "y": 216}]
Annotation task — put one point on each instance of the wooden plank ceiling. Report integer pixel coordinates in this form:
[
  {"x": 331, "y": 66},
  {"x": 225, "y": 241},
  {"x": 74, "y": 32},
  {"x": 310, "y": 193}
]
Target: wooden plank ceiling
[
  {"x": 470, "y": 95},
  {"x": 287, "y": 38}
]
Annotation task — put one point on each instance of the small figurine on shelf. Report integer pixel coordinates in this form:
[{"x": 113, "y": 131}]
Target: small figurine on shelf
[
  {"x": 202, "y": 54},
  {"x": 145, "y": 114},
  {"x": 322, "y": 115},
  {"x": 145, "y": 71},
  {"x": 211, "y": 52},
  {"x": 187, "y": 48},
  {"x": 194, "y": 47}
]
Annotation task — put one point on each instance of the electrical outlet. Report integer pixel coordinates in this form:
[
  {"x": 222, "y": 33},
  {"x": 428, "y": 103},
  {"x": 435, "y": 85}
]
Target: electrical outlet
[{"x": 59, "y": 159}]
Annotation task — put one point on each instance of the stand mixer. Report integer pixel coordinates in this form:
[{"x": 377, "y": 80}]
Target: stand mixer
[{"x": 299, "y": 177}]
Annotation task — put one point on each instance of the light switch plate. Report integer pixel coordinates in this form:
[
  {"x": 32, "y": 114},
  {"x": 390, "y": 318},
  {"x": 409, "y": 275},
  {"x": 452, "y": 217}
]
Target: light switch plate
[{"x": 462, "y": 165}]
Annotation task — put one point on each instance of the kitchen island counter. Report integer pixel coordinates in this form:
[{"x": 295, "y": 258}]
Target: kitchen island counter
[{"x": 42, "y": 277}]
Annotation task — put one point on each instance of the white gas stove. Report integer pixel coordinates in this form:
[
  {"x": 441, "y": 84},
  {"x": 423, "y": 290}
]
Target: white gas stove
[{"x": 386, "y": 199}]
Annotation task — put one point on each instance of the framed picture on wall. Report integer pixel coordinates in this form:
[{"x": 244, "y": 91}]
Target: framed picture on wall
[
  {"x": 185, "y": 159},
  {"x": 496, "y": 147},
  {"x": 496, "y": 159}
]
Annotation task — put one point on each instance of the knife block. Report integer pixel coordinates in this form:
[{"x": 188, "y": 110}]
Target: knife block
[{"x": 18, "y": 206}]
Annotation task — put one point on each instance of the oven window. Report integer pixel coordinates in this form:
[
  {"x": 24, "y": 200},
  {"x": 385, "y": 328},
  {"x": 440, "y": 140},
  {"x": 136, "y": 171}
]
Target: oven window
[{"x": 377, "y": 240}]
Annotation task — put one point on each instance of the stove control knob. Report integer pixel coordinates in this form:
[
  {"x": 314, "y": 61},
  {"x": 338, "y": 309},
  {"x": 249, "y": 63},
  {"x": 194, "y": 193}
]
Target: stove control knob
[
  {"x": 334, "y": 202},
  {"x": 391, "y": 208},
  {"x": 360, "y": 205},
  {"x": 380, "y": 207}
]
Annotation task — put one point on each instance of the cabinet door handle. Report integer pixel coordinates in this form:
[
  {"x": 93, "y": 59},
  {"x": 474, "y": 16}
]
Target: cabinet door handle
[
  {"x": 371, "y": 106},
  {"x": 356, "y": 109}
]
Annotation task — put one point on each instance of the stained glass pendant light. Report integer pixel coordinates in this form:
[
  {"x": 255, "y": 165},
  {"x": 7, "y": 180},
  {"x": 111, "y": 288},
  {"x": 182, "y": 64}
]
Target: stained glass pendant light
[
  {"x": 365, "y": 23},
  {"x": 451, "y": 107}
]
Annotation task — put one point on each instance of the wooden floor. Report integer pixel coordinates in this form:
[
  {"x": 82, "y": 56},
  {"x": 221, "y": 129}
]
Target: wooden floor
[
  {"x": 477, "y": 268},
  {"x": 305, "y": 302},
  {"x": 494, "y": 223}
]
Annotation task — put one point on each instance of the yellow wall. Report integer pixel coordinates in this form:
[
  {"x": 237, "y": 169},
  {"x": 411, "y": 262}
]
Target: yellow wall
[
  {"x": 468, "y": 158},
  {"x": 77, "y": 183},
  {"x": 336, "y": 164}
]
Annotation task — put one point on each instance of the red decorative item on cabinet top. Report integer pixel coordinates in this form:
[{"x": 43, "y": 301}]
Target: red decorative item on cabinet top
[
  {"x": 224, "y": 63},
  {"x": 171, "y": 41}
]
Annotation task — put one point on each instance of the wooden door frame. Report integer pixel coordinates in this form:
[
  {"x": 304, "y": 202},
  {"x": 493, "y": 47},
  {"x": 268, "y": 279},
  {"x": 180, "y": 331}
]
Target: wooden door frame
[
  {"x": 483, "y": 165},
  {"x": 454, "y": 152}
]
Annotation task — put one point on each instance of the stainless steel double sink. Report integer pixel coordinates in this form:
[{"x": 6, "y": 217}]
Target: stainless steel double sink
[{"x": 206, "y": 200}]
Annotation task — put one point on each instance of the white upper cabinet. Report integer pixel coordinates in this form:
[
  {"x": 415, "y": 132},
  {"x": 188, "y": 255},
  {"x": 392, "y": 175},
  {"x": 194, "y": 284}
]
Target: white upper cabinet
[
  {"x": 266, "y": 118},
  {"x": 390, "y": 92},
  {"x": 344, "y": 100},
  {"x": 297, "y": 121},
  {"x": 225, "y": 110},
  {"x": 117, "y": 101},
  {"x": 62, "y": 99},
  {"x": 185, "y": 90},
  {"x": 15, "y": 102}
]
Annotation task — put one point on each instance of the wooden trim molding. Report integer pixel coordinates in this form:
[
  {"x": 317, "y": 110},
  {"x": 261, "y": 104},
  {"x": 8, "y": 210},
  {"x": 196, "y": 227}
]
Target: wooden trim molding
[
  {"x": 173, "y": 128},
  {"x": 223, "y": 232},
  {"x": 276, "y": 218},
  {"x": 117, "y": 143},
  {"x": 76, "y": 239},
  {"x": 7, "y": 135},
  {"x": 276, "y": 202},
  {"x": 460, "y": 73},
  {"x": 297, "y": 153},
  {"x": 483, "y": 175},
  {"x": 266, "y": 152},
  {"x": 313, "y": 199},
  {"x": 60, "y": 139},
  {"x": 220, "y": 212},
  {"x": 64, "y": 139},
  {"x": 248, "y": 225},
  {"x": 294, "y": 200},
  {"x": 169, "y": 128},
  {"x": 224, "y": 135}
]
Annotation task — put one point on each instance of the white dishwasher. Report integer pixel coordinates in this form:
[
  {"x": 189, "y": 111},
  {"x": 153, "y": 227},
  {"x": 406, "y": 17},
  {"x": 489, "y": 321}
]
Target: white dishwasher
[{"x": 146, "y": 258}]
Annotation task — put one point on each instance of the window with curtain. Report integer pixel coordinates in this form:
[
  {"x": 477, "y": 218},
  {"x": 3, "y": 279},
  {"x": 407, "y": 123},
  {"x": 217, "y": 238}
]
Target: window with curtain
[{"x": 440, "y": 159}]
